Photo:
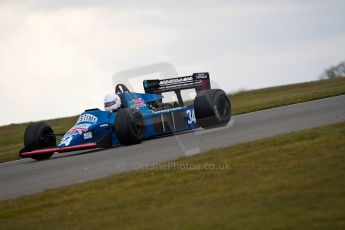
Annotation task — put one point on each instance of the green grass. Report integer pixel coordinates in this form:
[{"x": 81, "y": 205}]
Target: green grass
[
  {"x": 291, "y": 181},
  {"x": 254, "y": 100},
  {"x": 11, "y": 136}
]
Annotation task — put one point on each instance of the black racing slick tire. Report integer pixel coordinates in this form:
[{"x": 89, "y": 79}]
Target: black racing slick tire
[
  {"x": 39, "y": 136},
  {"x": 130, "y": 126},
  {"x": 212, "y": 108}
]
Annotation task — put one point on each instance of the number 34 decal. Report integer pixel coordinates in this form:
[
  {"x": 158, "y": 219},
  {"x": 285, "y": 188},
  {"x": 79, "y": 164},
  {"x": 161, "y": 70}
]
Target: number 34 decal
[{"x": 191, "y": 116}]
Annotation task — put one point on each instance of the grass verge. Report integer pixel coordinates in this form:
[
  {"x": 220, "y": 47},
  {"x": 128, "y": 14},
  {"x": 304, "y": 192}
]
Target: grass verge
[
  {"x": 254, "y": 100},
  {"x": 11, "y": 136},
  {"x": 291, "y": 181}
]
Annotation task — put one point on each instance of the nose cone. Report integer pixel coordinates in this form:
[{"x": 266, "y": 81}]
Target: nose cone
[{"x": 77, "y": 134}]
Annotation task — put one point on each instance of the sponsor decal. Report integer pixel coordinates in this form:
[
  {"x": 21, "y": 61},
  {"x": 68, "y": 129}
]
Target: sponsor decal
[
  {"x": 137, "y": 103},
  {"x": 168, "y": 110},
  {"x": 176, "y": 81},
  {"x": 87, "y": 118},
  {"x": 87, "y": 135},
  {"x": 146, "y": 84},
  {"x": 201, "y": 76},
  {"x": 78, "y": 129},
  {"x": 150, "y": 83}
]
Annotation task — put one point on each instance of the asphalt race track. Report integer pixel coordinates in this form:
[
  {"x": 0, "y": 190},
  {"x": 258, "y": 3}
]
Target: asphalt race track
[{"x": 28, "y": 176}]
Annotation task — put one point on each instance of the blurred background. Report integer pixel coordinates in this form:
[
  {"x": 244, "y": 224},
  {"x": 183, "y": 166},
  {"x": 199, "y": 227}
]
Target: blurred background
[{"x": 57, "y": 57}]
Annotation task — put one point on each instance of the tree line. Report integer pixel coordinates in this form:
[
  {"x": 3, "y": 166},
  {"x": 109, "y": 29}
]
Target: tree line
[{"x": 334, "y": 71}]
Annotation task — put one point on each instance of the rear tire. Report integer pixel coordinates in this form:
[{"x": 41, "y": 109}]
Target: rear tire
[
  {"x": 130, "y": 126},
  {"x": 212, "y": 108},
  {"x": 38, "y": 136}
]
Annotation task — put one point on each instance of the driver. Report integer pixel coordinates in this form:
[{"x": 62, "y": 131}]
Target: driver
[{"x": 112, "y": 102}]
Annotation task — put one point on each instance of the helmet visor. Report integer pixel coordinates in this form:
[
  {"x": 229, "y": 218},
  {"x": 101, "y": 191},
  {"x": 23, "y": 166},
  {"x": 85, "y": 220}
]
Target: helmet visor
[{"x": 108, "y": 104}]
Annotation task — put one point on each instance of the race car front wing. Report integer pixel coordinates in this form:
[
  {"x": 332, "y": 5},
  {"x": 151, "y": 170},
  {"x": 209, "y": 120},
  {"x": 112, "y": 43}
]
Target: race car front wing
[
  {"x": 25, "y": 154},
  {"x": 103, "y": 143}
]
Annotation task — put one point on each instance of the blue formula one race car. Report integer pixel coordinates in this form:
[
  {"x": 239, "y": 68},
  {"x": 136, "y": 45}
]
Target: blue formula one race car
[{"x": 140, "y": 117}]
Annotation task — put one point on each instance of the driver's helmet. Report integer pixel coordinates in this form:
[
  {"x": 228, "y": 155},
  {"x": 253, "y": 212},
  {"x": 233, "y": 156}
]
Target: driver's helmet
[{"x": 112, "y": 102}]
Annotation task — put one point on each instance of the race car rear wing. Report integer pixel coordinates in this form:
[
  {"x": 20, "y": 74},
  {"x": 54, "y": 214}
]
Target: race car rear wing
[{"x": 197, "y": 81}]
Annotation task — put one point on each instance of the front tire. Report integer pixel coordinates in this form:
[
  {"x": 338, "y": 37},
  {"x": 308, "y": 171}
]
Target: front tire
[
  {"x": 39, "y": 136},
  {"x": 130, "y": 126},
  {"x": 212, "y": 108}
]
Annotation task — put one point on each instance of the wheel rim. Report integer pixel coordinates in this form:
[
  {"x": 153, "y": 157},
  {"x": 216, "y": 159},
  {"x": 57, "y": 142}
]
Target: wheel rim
[
  {"x": 47, "y": 139},
  {"x": 138, "y": 126},
  {"x": 223, "y": 107}
]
